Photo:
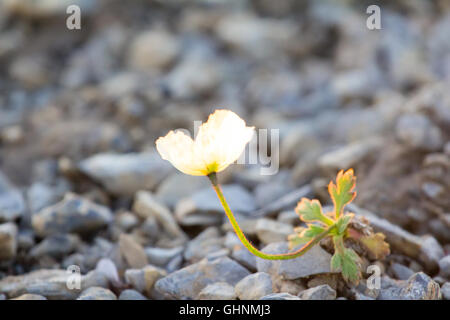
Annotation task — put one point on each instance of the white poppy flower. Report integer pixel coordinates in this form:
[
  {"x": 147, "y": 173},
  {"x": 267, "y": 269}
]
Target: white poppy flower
[{"x": 219, "y": 142}]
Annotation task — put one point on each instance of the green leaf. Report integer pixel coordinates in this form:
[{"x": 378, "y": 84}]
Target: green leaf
[
  {"x": 347, "y": 261},
  {"x": 304, "y": 235},
  {"x": 343, "y": 222},
  {"x": 342, "y": 192},
  {"x": 311, "y": 211},
  {"x": 313, "y": 230}
]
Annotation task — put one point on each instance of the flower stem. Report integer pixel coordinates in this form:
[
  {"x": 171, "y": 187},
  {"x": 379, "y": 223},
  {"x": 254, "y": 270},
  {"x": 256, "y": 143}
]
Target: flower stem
[{"x": 283, "y": 256}]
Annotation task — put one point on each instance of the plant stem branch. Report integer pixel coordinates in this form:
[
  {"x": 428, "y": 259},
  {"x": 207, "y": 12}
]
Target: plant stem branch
[{"x": 283, "y": 256}]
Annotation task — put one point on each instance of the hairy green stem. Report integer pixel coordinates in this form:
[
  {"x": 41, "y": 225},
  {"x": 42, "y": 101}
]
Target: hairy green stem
[{"x": 283, "y": 256}]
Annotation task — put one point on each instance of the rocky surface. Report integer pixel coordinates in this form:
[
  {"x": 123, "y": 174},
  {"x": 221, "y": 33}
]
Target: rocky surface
[{"x": 82, "y": 188}]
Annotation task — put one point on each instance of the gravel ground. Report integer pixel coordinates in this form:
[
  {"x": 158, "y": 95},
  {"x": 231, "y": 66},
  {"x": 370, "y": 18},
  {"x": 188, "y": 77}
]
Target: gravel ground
[{"x": 81, "y": 184}]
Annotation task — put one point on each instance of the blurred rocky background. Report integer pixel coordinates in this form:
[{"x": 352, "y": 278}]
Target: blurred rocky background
[{"x": 81, "y": 183}]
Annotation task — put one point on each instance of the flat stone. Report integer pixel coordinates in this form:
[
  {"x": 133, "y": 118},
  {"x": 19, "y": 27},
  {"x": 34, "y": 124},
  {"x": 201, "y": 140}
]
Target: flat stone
[
  {"x": 401, "y": 272},
  {"x": 50, "y": 283},
  {"x": 204, "y": 208},
  {"x": 286, "y": 202},
  {"x": 127, "y": 221},
  {"x": 154, "y": 49},
  {"x": 185, "y": 82},
  {"x": 8, "y": 241},
  {"x": 417, "y": 131},
  {"x": 125, "y": 174},
  {"x": 97, "y": 293},
  {"x": 29, "y": 296},
  {"x": 269, "y": 231},
  {"x": 444, "y": 267},
  {"x": 73, "y": 214},
  {"x": 146, "y": 205},
  {"x": 347, "y": 156},
  {"x": 12, "y": 205},
  {"x": 187, "y": 283},
  {"x": 322, "y": 292},
  {"x": 207, "y": 242},
  {"x": 130, "y": 294},
  {"x": 162, "y": 256},
  {"x": 40, "y": 195},
  {"x": 315, "y": 261},
  {"x": 288, "y": 217},
  {"x": 178, "y": 186},
  {"x": 56, "y": 246},
  {"x": 418, "y": 287},
  {"x": 425, "y": 249},
  {"x": 108, "y": 269},
  {"x": 445, "y": 290},
  {"x": 280, "y": 296},
  {"x": 143, "y": 280},
  {"x": 254, "y": 286},
  {"x": 132, "y": 251},
  {"x": 244, "y": 257},
  {"x": 47, "y": 9},
  {"x": 217, "y": 291}
]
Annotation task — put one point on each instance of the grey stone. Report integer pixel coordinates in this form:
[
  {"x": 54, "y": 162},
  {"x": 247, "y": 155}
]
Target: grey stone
[
  {"x": 417, "y": 131},
  {"x": 418, "y": 287},
  {"x": 204, "y": 208},
  {"x": 425, "y": 249},
  {"x": 433, "y": 190},
  {"x": 125, "y": 174},
  {"x": 187, "y": 283},
  {"x": 56, "y": 246},
  {"x": 50, "y": 283},
  {"x": 205, "y": 243},
  {"x": 39, "y": 196},
  {"x": 315, "y": 261},
  {"x": 254, "y": 286},
  {"x": 146, "y": 205},
  {"x": 132, "y": 251},
  {"x": 288, "y": 201},
  {"x": 184, "y": 81},
  {"x": 289, "y": 217},
  {"x": 12, "y": 205},
  {"x": 218, "y": 254},
  {"x": 72, "y": 214},
  {"x": 266, "y": 193},
  {"x": 280, "y": 296},
  {"x": 178, "y": 186},
  {"x": 154, "y": 49},
  {"x": 269, "y": 231},
  {"x": 401, "y": 272},
  {"x": 143, "y": 280},
  {"x": 444, "y": 267},
  {"x": 347, "y": 156},
  {"x": 217, "y": 291},
  {"x": 29, "y": 296},
  {"x": 445, "y": 290},
  {"x": 322, "y": 292},
  {"x": 162, "y": 256},
  {"x": 244, "y": 257},
  {"x": 127, "y": 221},
  {"x": 175, "y": 263},
  {"x": 25, "y": 239},
  {"x": 108, "y": 269},
  {"x": 130, "y": 294},
  {"x": 45, "y": 9},
  {"x": 97, "y": 293},
  {"x": 263, "y": 37},
  {"x": 248, "y": 225},
  {"x": 8, "y": 241}
]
